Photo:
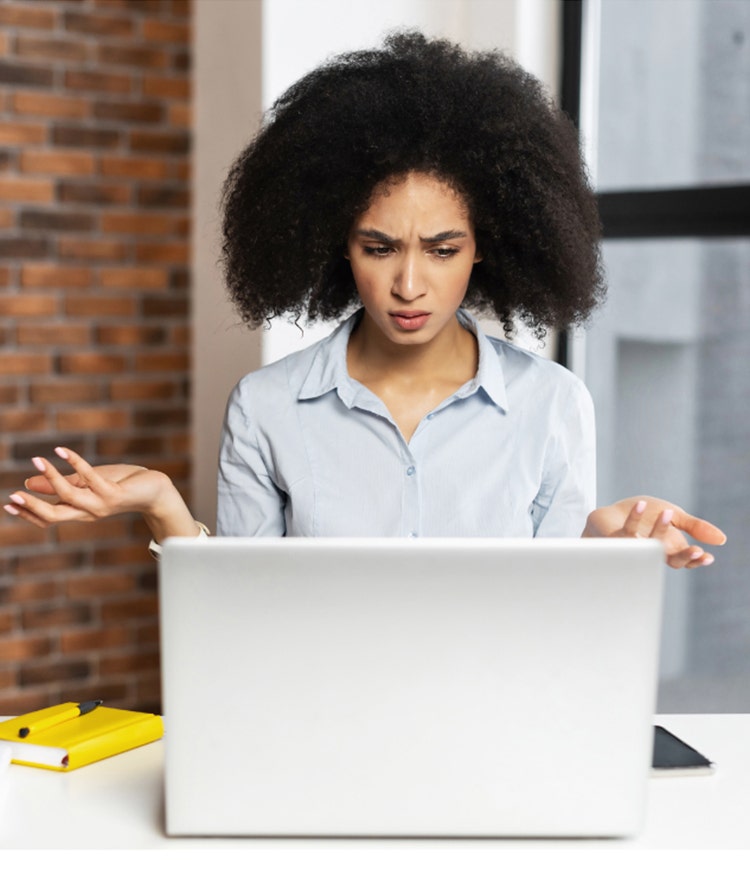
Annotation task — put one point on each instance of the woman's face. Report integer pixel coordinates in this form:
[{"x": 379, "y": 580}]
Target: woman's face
[{"x": 412, "y": 252}]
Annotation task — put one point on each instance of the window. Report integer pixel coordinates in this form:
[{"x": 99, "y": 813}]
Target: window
[{"x": 664, "y": 100}]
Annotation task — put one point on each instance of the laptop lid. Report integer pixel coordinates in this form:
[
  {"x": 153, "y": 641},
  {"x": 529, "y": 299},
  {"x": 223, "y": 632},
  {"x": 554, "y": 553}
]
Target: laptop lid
[{"x": 389, "y": 687}]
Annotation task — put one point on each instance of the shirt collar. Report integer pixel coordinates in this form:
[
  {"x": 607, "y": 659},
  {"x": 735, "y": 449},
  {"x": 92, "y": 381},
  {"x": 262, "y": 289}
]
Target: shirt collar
[{"x": 328, "y": 371}]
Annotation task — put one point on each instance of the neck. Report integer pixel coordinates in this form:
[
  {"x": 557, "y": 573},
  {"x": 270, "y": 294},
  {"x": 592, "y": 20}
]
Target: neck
[{"x": 372, "y": 355}]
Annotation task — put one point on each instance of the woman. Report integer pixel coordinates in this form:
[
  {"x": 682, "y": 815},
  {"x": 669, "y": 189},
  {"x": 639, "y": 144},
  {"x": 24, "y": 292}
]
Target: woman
[{"x": 396, "y": 187}]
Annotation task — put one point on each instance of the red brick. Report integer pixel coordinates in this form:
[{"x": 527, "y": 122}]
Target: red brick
[
  {"x": 26, "y": 74},
  {"x": 133, "y": 661},
  {"x": 130, "y": 389},
  {"x": 28, "y": 701},
  {"x": 54, "y": 334},
  {"x": 65, "y": 392},
  {"x": 175, "y": 87},
  {"x": 92, "y": 420},
  {"x": 31, "y": 305},
  {"x": 165, "y": 306},
  {"x": 126, "y": 166},
  {"x": 99, "y": 584},
  {"x": 23, "y": 420},
  {"x": 23, "y": 15},
  {"x": 47, "y": 562},
  {"x": 43, "y": 104},
  {"x": 13, "y": 133},
  {"x": 23, "y": 648},
  {"x": 100, "y": 306},
  {"x": 57, "y": 221},
  {"x": 54, "y": 672},
  {"x": 24, "y": 189},
  {"x": 159, "y": 363},
  {"x": 126, "y": 278},
  {"x": 173, "y": 252},
  {"x": 130, "y": 335},
  {"x": 139, "y": 224},
  {"x": 123, "y": 556},
  {"x": 101, "y": 530},
  {"x": 8, "y": 621},
  {"x": 58, "y": 162},
  {"x": 133, "y": 56},
  {"x": 129, "y": 111},
  {"x": 159, "y": 142},
  {"x": 51, "y": 49},
  {"x": 94, "y": 193},
  {"x": 99, "y": 25},
  {"x": 93, "y": 249},
  {"x": 22, "y": 364},
  {"x": 55, "y": 275},
  {"x": 165, "y": 31},
  {"x": 98, "y": 81},
  {"x": 127, "y": 448},
  {"x": 92, "y": 362},
  {"x": 23, "y": 592},
  {"x": 180, "y": 115},
  {"x": 173, "y": 196},
  {"x": 102, "y": 638},
  {"x": 55, "y": 616},
  {"x": 130, "y": 608},
  {"x": 24, "y": 248},
  {"x": 8, "y": 394}
]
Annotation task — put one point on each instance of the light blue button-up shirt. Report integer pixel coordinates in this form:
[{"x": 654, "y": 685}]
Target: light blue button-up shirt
[{"x": 308, "y": 451}]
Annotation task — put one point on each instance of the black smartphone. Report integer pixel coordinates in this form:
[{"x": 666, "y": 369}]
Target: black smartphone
[{"x": 672, "y": 756}]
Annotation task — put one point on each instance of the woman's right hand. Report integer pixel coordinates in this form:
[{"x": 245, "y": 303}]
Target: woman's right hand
[{"x": 92, "y": 493}]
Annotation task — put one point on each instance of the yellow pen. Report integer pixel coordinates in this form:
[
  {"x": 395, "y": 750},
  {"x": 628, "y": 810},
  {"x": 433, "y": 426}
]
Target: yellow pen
[{"x": 44, "y": 718}]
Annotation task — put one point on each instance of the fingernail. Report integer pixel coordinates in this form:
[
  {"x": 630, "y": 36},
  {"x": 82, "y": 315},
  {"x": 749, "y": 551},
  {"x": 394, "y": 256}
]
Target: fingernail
[
  {"x": 696, "y": 554},
  {"x": 708, "y": 560},
  {"x": 39, "y": 464},
  {"x": 666, "y": 516},
  {"x": 10, "y": 509},
  {"x": 62, "y": 452},
  {"x": 17, "y": 499},
  {"x": 640, "y": 507}
]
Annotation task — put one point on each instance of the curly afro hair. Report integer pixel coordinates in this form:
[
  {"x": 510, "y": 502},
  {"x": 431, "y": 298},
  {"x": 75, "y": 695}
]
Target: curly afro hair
[{"x": 477, "y": 121}]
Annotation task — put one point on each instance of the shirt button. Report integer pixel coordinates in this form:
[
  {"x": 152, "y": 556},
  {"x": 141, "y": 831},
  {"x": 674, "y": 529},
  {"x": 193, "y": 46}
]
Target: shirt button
[
  {"x": 410, "y": 470},
  {"x": 430, "y": 416},
  {"x": 413, "y": 534}
]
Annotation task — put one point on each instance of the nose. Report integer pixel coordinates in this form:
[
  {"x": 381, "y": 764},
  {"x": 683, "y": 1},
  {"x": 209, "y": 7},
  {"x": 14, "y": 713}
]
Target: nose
[{"x": 409, "y": 282}]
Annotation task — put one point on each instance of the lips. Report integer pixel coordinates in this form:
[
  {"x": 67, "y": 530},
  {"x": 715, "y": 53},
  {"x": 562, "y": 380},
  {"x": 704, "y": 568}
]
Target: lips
[{"x": 407, "y": 320}]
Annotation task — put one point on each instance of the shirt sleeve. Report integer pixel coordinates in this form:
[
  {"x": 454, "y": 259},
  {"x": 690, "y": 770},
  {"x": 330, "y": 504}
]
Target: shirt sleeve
[
  {"x": 249, "y": 502},
  {"x": 568, "y": 492}
]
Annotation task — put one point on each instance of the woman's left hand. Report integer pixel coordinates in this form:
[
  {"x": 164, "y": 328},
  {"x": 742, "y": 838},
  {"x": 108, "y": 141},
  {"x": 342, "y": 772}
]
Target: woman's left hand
[{"x": 646, "y": 517}]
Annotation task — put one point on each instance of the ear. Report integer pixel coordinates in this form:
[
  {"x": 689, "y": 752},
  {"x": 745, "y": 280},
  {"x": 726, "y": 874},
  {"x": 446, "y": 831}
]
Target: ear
[{"x": 478, "y": 257}]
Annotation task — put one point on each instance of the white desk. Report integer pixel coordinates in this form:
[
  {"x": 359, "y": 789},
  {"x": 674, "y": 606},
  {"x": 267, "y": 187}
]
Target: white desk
[{"x": 118, "y": 803}]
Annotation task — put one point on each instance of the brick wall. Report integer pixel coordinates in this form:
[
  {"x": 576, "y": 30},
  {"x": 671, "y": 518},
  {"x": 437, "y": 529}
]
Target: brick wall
[{"x": 94, "y": 301}]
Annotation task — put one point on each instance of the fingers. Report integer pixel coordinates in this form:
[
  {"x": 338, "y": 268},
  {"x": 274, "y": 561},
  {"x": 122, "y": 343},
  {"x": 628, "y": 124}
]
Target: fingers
[
  {"x": 700, "y": 529},
  {"x": 71, "y": 489},
  {"x": 631, "y": 525},
  {"x": 72, "y": 500},
  {"x": 662, "y": 524},
  {"x": 690, "y": 557}
]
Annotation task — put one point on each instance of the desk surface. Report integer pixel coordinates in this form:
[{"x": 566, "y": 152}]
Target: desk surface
[{"x": 118, "y": 803}]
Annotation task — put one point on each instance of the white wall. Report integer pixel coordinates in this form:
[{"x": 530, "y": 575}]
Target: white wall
[{"x": 246, "y": 53}]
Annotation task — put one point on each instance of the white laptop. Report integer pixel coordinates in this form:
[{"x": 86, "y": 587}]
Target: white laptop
[{"x": 369, "y": 687}]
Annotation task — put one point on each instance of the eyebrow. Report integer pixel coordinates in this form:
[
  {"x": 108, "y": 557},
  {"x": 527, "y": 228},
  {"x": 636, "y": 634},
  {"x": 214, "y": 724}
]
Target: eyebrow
[{"x": 383, "y": 237}]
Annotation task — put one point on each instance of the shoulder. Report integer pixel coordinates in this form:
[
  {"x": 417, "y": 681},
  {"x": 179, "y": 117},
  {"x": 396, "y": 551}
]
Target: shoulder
[
  {"x": 282, "y": 382},
  {"x": 525, "y": 372}
]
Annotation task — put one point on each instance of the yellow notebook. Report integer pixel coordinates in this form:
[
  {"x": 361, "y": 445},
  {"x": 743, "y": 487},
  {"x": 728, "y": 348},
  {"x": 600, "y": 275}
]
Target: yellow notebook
[{"x": 76, "y": 741}]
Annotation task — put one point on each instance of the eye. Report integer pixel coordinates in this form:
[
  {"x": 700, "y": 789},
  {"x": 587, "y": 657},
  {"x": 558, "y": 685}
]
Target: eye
[
  {"x": 380, "y": 250},
  {"x": 444, "y": 252}
]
